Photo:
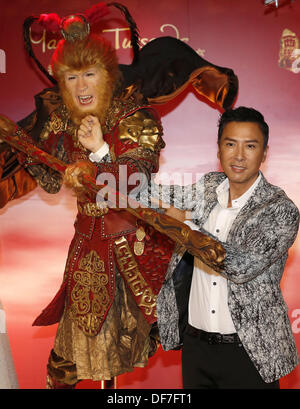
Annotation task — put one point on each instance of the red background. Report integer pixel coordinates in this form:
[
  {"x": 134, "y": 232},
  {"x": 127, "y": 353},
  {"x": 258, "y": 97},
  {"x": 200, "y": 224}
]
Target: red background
[{"x": 35, "y": 231}]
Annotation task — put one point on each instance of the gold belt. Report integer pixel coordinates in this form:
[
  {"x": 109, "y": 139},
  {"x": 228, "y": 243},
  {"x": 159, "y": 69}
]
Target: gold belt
[{"x": 91, "y": 209}]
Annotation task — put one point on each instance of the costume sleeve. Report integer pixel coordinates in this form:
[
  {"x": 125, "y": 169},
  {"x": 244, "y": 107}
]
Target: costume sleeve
[
  {"x": 47, "y": 178},
  {"x": 183, "y": 197},
  {"x": 14, "y": 180},
  {"x": 33, "y": 125},
  {"x": 18, "y": 172},
  {"x": 266, "y": 240},
  {"x": 100, "y": 154}
]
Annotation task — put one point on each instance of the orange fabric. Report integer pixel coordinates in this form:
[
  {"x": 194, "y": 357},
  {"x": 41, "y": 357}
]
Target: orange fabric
[
  {"x": 10, "y": 189},
  {"x": 207, "y": 81}
]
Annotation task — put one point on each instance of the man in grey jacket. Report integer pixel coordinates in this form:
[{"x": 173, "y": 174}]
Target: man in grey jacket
[{"x": 232, "y": 324}]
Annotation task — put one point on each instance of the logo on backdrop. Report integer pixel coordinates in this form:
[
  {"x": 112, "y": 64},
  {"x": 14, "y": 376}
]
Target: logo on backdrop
[
  {"x": 2, "y": 62},
  {"x": 119, "y": 40},
  {"x": 289, "y": 53}
]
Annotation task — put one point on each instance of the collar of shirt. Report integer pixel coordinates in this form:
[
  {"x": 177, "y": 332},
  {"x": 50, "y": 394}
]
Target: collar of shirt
[{"x": 223, "y": 193}]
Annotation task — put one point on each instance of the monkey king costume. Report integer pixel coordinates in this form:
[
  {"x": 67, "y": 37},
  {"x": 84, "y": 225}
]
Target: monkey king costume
[{"x": 116, "y": 264}]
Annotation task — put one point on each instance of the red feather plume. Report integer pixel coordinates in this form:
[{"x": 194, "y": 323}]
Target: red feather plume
[
  {"x": 50, "y": 21},
  {"x": 96, "y": 12}
]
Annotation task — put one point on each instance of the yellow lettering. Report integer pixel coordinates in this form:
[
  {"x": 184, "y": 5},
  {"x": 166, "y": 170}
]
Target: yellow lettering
[
  {"x": 118, "y": 42},
  {"x": 126, "y": 43},
  {"x": 41, "y": 40},
  {"x": 144, "y": 41},
  {"x": 117, "y": 35},
  {"x": 51, "y": 45},
  {"x": 162, "y": 29}
]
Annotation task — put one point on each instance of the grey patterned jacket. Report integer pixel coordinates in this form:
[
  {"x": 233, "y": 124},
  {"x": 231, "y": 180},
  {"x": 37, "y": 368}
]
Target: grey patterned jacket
[{"x": 256, "y": 253}]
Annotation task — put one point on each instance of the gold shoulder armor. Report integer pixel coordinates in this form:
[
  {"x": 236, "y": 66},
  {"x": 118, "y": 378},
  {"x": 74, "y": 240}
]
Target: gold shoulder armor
[{"x": 143, "y": 129}]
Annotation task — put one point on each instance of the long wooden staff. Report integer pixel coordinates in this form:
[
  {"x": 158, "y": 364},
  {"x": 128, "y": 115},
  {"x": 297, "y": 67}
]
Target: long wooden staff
[{"x": 198, "y": 244}]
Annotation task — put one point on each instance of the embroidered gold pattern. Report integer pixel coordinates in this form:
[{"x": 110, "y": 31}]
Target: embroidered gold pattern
[
  {"x": 60, "y": 122},
  {"x": 57, "y": 123},
  {"x": 145, "y": 159},
  {"x": 140, "y": 233},
  {"x": 139, "y": 245},
  {"x": 91, "y": 209},
  {"x": 47, "y": 178},
  {"x": 121, "y": 107},
  {"x": 89, "y": 295},
  {"x": 130, "y": 272}
]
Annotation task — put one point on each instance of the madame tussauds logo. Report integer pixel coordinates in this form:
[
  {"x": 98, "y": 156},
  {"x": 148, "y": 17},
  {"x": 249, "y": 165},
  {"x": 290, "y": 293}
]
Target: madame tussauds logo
[
  {"x": 2, "y": 62},
  {"x": 119, "y": 38}
]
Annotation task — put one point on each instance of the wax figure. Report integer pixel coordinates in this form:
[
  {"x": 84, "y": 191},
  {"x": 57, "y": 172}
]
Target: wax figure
[
  {"x": 100, "y": 116},
  {"x": 232, "y": 322}
]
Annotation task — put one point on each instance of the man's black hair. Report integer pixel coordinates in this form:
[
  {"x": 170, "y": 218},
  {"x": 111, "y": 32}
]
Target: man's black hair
[{"x": 244, "y": 114}]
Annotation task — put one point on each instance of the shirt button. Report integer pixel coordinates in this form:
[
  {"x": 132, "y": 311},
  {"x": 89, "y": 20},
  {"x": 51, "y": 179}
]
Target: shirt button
[
  {"x": 214, "y": 283},
  {"x": 217, "y": 230},
  {"x": 213, "y": 311}
]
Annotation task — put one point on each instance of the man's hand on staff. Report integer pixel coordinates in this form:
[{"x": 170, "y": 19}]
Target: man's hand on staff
[{"x": 177, "y": 214}]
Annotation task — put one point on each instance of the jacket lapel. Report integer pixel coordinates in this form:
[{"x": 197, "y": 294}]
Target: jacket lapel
[
  {"x": 211, "y": 182},
  {"x": 259, "y": 197}
]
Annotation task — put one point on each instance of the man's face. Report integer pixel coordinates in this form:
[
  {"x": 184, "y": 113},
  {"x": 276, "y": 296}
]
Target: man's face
[
  {"x": 87, "y": 92},
  {"x": 241, "y": 152},
  {"x": 83, "y": 88}
]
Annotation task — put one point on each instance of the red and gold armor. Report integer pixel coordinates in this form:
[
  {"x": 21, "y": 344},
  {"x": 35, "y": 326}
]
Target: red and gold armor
[
  {"x": 116, "y": 263},
  {"x": 106, "y": 238}
]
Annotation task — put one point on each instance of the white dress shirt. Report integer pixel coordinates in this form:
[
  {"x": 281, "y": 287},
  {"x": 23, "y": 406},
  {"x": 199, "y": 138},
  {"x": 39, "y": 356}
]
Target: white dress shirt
[
  {"x": 97, "y": 156},
  {"x": 208, "y": 302}
]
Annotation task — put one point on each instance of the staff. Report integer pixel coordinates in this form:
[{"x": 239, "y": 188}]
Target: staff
[{"x": 198, "y": 244}]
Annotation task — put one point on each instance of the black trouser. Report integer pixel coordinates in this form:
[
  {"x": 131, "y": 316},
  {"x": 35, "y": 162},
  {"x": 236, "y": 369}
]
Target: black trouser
[{"x": 219, "y": 366}]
